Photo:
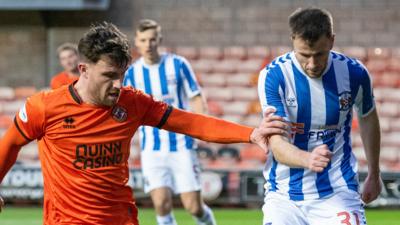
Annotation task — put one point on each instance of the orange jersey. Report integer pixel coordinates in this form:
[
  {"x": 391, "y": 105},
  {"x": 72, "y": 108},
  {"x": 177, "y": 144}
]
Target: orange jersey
[
  {"x": 62, "y": 79},
  {"x": 83, "y": 151}
]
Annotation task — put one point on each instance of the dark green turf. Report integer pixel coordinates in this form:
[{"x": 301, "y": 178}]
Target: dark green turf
[{"x": 33, "y": 216}]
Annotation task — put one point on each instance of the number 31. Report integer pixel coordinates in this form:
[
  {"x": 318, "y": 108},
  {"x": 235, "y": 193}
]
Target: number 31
[{"x": 346, "y": 218}]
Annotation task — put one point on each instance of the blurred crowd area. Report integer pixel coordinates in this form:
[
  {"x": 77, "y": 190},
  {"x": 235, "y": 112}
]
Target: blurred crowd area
[{"x": 228, "y": 76}]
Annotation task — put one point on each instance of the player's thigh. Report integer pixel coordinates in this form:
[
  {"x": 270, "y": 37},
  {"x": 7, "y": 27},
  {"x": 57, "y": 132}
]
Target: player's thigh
[
  {"x": 156, "y": 173},
  {"x": 281, "y": 211},
  {"x": 186, "y": 170},
  {"x": 343, "y": 208}
]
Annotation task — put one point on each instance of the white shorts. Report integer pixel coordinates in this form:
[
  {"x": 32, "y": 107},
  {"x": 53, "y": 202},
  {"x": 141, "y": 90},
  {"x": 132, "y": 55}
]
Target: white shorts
[
  {"x": 180, "y": 171},
  {"x": 342, "y": 208}
]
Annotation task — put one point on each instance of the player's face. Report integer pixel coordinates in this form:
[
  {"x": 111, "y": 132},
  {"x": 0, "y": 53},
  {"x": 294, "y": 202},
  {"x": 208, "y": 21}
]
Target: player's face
[
  {"x": 69, "y": 60},
  {"x": 313, "y": 57},
  {"x": 104, "y": 81},
  {"x": 147, "y": 43}
]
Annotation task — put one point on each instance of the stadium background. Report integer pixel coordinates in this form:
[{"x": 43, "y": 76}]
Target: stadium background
[{"x": 227, "y": 42}]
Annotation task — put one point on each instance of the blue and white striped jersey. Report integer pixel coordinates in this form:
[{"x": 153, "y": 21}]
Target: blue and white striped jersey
[
  {"x": 172, "y": 80},
  {"x": 320, "y": 111}
]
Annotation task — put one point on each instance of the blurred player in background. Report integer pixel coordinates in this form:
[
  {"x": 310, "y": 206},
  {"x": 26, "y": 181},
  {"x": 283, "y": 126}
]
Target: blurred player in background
[
  {"x": 312, "y": 176},
  {"x": 68, "y": 55},
  {"x": 84, "y": 132},
  {"x": 169, "y": 160}
]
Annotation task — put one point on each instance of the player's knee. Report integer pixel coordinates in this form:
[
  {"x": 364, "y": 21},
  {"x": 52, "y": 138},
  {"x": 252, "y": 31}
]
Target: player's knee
[
  {"x": 195, "y": 209},
  {"x": 163, "y": 206}
]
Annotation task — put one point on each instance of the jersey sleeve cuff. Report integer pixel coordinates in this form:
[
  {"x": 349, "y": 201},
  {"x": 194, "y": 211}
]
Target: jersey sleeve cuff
[
  {"x": 165, "y": 116},
  {"x": 20, "y": 130}
]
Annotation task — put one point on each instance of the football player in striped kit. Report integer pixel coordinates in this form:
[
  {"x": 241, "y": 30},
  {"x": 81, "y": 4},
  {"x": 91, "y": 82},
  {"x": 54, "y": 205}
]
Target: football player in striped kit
[
  {"x": 312, "y": 175},
  {"x": 169, "y": 161}
]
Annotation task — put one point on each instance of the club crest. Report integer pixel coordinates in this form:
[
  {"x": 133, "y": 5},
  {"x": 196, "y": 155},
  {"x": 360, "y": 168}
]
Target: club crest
[
  {"x": 345, "y": 101},
  {"x": 119, "y": 114}
]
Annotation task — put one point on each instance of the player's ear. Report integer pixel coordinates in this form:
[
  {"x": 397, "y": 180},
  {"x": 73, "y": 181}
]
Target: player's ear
[{"x": 82, "y": 67}]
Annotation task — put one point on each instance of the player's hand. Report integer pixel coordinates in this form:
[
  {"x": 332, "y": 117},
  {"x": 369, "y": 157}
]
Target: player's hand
[
  {"x": 270, "y": 124},
  {"x": 274, "y": 124},
  {"x": 1, "y": 203},
  {"x": 372, "y": 188},
  {"x": 319, "y": 158}
]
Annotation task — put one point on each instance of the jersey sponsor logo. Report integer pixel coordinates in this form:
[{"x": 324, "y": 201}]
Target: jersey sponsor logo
[
  {"x": 91, "y": 156},
  {"x": 345, "y": 101},
  {"x": 68, "y": 123},
  {"x": 22, "y": 114},
  {"x": 119, "y": 114},
  {"x": 323, "y": 134},
  {"x": 297, "y": 128}
]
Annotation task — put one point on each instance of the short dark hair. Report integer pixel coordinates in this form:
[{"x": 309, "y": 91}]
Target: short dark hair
[
  {"x": 147, "y": 24},
  {"x": 311, "y": 23},
  {"x": 105, "y": 39}
]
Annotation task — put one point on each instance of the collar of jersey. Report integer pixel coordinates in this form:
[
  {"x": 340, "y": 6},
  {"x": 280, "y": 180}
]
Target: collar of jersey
[{"x": 74, "y": 93}]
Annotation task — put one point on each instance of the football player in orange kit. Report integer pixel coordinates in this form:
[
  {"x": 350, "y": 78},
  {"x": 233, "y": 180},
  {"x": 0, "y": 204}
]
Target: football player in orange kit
[
  {"x": 68, "y": 56},
  {"x": 84, "y": 132}
]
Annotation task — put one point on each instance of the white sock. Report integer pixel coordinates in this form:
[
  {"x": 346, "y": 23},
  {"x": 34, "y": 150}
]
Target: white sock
[
  {"x": 207, "y": 218},
  {"x": 168, "y": 219}
]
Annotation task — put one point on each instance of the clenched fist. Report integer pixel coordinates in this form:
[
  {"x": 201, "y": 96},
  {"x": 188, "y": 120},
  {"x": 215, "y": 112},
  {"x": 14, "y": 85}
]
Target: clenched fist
[{"x": 319, "y": 158}]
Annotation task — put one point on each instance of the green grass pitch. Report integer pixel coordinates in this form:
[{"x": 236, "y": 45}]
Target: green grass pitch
[{"x": 33, "y": 216}]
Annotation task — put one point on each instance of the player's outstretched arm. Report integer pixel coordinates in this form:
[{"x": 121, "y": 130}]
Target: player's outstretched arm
[
  {"x": 212, "y": 129},
  {"x": 371, "y": 138},
  {"x": 10, "y": 144},
  {"x": 286, "y": 153}
]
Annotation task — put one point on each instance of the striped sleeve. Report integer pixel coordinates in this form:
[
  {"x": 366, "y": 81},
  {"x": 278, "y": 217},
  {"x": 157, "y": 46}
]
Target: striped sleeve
[
  {"x": 270, "y": 91},
  {"x": 190, "y": 83},
  {"x": 364, "y": 102}
]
